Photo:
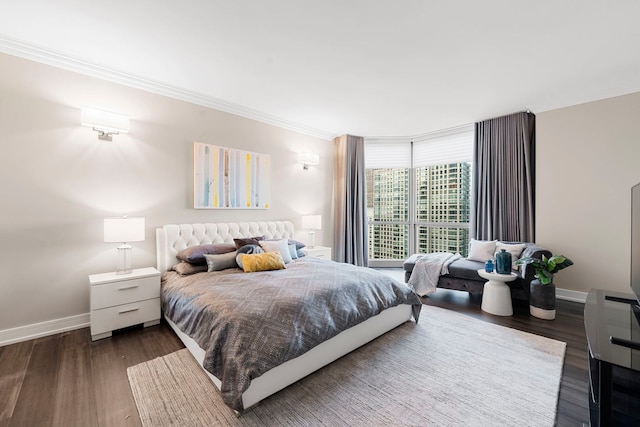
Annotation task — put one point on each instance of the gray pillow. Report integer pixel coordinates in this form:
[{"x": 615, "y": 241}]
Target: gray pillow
[
  {"x": 247, "y": 249},
  {"x": 217, "y": 262},
  {"x": 247, "y": 241},
  {"x": 186, "y": 269},
  {"x": 195, "y": 254}
]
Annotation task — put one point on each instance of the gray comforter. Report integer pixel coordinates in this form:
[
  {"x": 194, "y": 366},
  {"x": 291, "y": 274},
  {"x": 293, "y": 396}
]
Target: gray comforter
[{"x": 249, "y": 323}]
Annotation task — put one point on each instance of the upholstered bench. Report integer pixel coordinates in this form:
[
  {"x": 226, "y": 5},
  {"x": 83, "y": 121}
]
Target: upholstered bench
[{"x": 463, "y": 273}]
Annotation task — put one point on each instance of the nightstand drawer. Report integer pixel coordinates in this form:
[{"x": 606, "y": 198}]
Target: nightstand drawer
[
  {"x": 321, "y": 252},
  {"x": 108, "y": 319},
  {"x": 321, "y": 255},
  {"x": 124, "y": 291}
]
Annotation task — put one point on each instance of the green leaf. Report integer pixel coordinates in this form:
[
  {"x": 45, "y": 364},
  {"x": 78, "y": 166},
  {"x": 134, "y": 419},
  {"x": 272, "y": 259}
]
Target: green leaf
[
  {"x": 547, "y": 274},
  {"x": 551, "y": 265}
]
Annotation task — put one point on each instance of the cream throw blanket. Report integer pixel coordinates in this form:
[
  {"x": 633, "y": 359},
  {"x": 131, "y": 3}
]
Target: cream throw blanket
[{"x": 428, "y": 269}]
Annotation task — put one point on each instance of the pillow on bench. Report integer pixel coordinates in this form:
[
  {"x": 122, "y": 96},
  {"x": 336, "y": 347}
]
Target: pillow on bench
[
  {"x": 515, "y": 249},
  {"x": 481, "y": 250}
]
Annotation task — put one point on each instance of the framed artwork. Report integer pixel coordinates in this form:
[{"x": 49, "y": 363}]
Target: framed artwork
[{"x": 227, "y": 178}]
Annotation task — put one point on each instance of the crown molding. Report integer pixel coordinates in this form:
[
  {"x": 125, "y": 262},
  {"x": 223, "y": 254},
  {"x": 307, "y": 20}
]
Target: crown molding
[{"x": 57, "y": 59}]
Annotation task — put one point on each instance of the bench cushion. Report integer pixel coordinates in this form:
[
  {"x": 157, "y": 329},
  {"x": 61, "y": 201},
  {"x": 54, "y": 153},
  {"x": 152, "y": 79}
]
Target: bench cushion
[
  {"x": 465, "y": 269},
  {"x": 462, "y": 268}
]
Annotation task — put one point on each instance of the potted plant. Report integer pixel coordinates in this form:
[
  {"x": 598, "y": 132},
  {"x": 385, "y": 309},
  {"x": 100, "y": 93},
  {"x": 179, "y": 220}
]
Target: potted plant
[{"x": 542, "y": 299}]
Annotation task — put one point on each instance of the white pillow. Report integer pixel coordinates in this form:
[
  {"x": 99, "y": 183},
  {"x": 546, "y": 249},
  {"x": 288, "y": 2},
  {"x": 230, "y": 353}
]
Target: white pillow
[
  {"x": 281, "y": 246},
  {"x": 481, "y": 250},
  {"x": 293, "y": 252},
  {"x": 515, "y": 249}
]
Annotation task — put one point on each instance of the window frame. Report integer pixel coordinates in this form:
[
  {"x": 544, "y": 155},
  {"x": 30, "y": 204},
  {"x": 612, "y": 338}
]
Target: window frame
[{"x": 412, "y": 223}]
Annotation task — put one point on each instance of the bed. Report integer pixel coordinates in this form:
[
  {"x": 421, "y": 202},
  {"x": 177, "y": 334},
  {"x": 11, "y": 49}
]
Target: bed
[{"x": 244, "y": 390}]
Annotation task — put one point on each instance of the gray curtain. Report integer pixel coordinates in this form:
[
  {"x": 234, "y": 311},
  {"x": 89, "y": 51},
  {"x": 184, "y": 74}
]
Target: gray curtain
[
  {"x": 350, "y": 201},
  {"x": 503, "y": 194}
]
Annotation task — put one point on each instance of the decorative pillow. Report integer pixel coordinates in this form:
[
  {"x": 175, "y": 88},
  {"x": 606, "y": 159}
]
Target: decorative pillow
[
  {"x": 186, "y": 269},
  {"x": 247, "y": 249},
  {"x": 219, "y": 262},
  {"x": 293, "y": 252},
  {"x": 515, "y": 249},
  {"x": 195, "y": 254},
  {"x": 481, "y": 250},
  {"x": 281, "y": 246},
  {"x": 262, "y": 262},
  {"x": 247, "y": 241},
  {"x": 299, "y": 245}
]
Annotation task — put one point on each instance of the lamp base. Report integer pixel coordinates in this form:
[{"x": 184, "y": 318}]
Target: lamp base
[
  {"x": 312, "y": 239},
  {"x": 124, "y": 259}
]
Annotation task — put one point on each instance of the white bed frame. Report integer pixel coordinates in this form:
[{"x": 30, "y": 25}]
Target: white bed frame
[{"x": 170, "y": 239}]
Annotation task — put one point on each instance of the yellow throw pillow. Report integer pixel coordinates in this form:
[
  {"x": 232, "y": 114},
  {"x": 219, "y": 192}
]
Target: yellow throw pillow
[{"x": 262, "y": 262}]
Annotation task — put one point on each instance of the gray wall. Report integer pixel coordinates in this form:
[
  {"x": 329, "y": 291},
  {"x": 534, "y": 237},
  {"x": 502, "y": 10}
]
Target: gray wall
[
  {"x": 58, "y": 181},
  {"x": 587, "y": 161}
]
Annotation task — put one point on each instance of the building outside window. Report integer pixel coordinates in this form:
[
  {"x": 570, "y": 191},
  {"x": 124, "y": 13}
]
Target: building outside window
[{"x": 418, "y": 195}]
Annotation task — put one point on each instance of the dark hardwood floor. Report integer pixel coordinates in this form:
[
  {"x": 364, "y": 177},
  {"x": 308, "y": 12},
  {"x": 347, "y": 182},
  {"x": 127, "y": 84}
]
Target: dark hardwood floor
[{"x": 67, "y": 380}]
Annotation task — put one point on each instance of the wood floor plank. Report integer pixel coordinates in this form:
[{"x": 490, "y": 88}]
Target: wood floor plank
[
  {"x": 74, "y": 402},
  {"x": 35, "y": 404},
  {"x": 14, "y": 360},
  {"x": 157, "y": 344},
  {"x": 131, "y": 347},
  {"x": 114, "y": 401}
]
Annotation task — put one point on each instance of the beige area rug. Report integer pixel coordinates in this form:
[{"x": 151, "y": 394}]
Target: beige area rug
[{"x": 448, "y": 370}]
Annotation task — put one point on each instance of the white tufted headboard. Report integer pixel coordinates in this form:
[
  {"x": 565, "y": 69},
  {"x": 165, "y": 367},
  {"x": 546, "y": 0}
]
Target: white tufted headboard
[{"x": 172, "y": 238}]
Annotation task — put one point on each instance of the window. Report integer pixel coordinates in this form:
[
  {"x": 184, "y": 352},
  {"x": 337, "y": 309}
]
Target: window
[{"x": 418, "y": 195}]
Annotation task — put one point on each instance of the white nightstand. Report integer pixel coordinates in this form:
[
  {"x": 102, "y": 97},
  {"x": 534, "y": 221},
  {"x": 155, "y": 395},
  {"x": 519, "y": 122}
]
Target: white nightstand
[
  {"x": 318, "y": 252},
  {"x": 120, "y": 300}
]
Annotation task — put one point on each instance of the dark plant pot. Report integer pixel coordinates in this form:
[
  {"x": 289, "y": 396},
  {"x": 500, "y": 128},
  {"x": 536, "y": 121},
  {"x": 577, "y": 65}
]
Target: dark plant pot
[{"x": 542, "y": 301}]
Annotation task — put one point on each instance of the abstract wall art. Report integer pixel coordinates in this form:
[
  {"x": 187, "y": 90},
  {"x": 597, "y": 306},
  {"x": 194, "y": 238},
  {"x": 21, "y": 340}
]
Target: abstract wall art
[{"x": 230, "y": 178}]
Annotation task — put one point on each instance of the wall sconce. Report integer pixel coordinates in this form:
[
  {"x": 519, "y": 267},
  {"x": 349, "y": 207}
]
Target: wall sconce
[
  {"x": 122, "y": 230},
  {"x": 308, "y": 159},
  {"x": 312, "y": 223},
  {"x": 106, "y": 123}
]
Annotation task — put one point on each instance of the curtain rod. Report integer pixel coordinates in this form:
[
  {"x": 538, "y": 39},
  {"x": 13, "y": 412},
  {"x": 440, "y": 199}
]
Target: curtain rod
[
  {"x": 422, "y": 136},
  {"x": 506, "y": 115}
]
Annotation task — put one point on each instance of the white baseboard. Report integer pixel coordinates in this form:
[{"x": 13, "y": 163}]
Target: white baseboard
[
  {"x": 42, "y": 329},
  {"x": 568, "y": 295}
]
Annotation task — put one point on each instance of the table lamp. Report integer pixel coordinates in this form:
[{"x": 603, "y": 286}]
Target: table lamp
[
  {"x": 123, "y": 230},
  {"x": 312, "y": 223}
]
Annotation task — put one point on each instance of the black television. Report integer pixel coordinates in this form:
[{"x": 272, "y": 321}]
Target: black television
[
  {"x": 635, "y": 241},
  {"x": 635, "y": 270}
]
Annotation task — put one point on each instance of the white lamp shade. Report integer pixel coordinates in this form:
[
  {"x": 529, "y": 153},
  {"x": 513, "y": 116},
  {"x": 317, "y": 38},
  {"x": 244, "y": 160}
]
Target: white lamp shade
[
  {"x": 312, "y": 222},
  {"x": 309, "y": 158},
  {"x": 124, "y": 229},
  {"x": 104, "y": 120}
]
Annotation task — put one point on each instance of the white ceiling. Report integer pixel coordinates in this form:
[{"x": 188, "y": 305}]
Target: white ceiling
[{"x": 329, "y": 67}]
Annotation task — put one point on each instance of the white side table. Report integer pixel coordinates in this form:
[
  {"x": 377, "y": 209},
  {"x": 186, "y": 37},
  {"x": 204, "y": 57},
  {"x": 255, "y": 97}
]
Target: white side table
[
  {"x": 323, "y": 252},
  {"x": 496, "y": 296},
  {"x": 120, "y": 300}
]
